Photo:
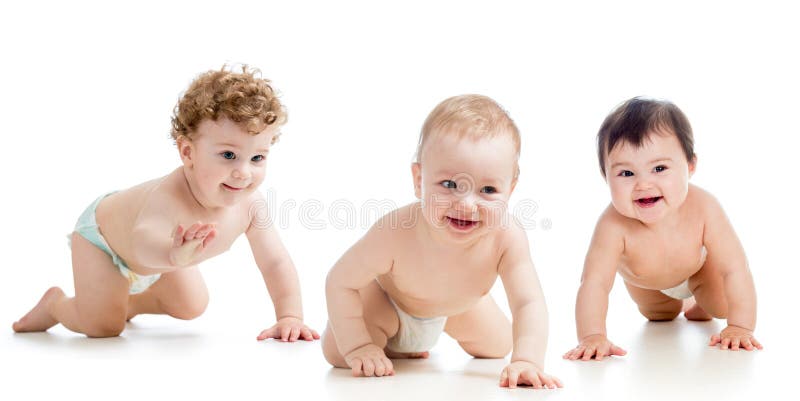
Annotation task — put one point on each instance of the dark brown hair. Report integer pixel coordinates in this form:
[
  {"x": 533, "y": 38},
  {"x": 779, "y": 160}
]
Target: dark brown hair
[{"x": 636, "y": 119}]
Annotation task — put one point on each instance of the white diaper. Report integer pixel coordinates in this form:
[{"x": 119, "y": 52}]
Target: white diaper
[
  {"x": 680, "y": 291},
  {"x": 415, "y": 334}
]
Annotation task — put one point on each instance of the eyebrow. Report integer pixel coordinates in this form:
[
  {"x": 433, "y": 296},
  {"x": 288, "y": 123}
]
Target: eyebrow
[
  {"x": 230, "y": 145},
  {"x": 663, "y": 159}
]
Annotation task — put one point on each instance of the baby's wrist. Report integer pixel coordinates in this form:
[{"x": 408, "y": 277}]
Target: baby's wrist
[
  {"x": 538, "y": 366},
  {"x": 736, "y": 326},
  {"x": 585, "y": 337}
]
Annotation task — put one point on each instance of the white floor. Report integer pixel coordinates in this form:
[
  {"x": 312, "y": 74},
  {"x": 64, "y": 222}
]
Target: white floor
[{"x": 217, "y": 356}]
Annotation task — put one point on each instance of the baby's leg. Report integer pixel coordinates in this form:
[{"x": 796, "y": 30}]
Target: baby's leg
[
  {"x": 380, "y": 317},
  {"x": 101, "y": 297},
  {"x": 181, "y": 294},
  {"x": 653, "y": 304},
  {"x": 483, "y": 331},
  {"x": 708, "y": 288}
]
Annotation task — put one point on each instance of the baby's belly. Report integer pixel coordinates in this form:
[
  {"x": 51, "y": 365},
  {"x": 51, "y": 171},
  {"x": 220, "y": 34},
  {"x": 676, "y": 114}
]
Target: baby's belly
[
  {"x": 433, "y": 303},
  {"x": 658, "y": 278}
]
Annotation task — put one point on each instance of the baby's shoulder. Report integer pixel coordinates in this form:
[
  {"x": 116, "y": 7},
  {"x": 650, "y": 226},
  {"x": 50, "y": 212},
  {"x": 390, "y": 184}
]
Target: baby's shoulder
[
  {"x": 398, "y": 221},
  {"x": 613, "y": 222},
  {"x": 703, "y": 204}
]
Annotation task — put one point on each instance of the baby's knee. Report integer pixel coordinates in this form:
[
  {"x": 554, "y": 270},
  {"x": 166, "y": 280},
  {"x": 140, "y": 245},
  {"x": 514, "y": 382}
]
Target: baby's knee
[
  {"x": 191, "y": 310},
  {"x": 104, "y": 329},
  {"x": 330, "y": 351},
  {"x": 660, "y": 315}
]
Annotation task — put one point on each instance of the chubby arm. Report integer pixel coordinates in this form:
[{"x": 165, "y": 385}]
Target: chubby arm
[
  {"x": 525, "y": 298},
  {"x": 357, "y": 268},
  {"x": 591, "y": 306},
  {"x": 726, "y": 252},
  {"x": 280, "y": 277},
  {"x": 529, "y": 313}
]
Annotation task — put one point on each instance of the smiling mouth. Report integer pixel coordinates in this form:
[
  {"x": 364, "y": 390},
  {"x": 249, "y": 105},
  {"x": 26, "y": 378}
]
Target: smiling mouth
[
  {"x": 462, "y": 225},
  {"x": 648, "y": 202},
  {"x": 230, "y": 188}
]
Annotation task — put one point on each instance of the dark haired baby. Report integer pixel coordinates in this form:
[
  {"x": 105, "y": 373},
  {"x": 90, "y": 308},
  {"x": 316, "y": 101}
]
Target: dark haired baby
[{"x": 669, "y": 240}]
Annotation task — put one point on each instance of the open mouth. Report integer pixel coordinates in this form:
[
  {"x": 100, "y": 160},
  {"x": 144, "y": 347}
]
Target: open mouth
[
  {"x": 230, "y": 188},
  {"x": 462, "y": 225},
  {"x": 648, "y": 202}
]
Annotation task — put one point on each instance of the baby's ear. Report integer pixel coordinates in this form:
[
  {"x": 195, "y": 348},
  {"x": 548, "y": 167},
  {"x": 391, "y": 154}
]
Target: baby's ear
[
  {"x": 186, "y": 150},
  {"x": 692, "y": 165},
  {"x": 416, "y": 172},
  {"x": 515, "y": 180}
]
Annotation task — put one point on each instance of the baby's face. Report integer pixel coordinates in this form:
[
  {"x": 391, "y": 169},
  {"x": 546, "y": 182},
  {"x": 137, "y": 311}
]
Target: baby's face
[
  {"x": 465, "y": 184},
  {"x": 649, "y": 182},
  {"x": 227, "y": 162}
]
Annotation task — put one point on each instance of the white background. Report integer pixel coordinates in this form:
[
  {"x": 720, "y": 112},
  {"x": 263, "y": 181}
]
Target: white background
[{"x": 87, "y": 90}]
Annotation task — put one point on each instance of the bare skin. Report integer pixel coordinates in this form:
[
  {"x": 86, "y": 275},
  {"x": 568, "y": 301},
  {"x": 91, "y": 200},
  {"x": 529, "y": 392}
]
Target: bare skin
[
  {"x": 683, "y": 235},
  {"x": 168, "y": 226},
  {"x": 430, "y": 267}
]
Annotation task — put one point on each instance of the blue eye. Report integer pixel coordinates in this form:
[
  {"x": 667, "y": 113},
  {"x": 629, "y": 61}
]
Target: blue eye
[
  {"x": 228, "y": 155},
  {"x": 450, "y": 184},
  {"x": 489, "y": 190},
  {"x": 257, "y": 158},
  {"x": 625, "y": 173},
  {"x": 659, "y": 169}
]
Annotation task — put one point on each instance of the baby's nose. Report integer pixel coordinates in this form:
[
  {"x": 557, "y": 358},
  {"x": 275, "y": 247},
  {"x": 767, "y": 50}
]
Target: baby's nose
[
  {"x": 466, "y": 203},
  {"x": 241, "y": 173}
]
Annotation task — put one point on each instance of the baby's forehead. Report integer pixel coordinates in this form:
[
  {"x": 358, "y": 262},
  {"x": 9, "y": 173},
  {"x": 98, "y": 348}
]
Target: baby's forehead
[
  {"x": 645, "y": 143},
  {"x": 224, "y": 130}
]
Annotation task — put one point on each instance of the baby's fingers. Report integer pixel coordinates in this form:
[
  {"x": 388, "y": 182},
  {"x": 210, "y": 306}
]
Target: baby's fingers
[
  {"x": 191, "y": 232},
  {"x": 532, "y": 378},
  {"x": 177, "y": 238},
  {"x": 513, "y": 376},
  {"x": 356, "y": 367},
  {"x": 305, "y": 334},
  {"x": 268, "y": 333},
  {"x": 715, "y": 339},
  {"x": 210, "y": 237},
  {"x": 756, "y": 343},
  {"x": 285, "y": 333},
  {"x": 589, "y": 353},
  {"x": 294, "y": 334},
  {"x": 575, "y": 353},
  {"x": 368, "y": 367}
]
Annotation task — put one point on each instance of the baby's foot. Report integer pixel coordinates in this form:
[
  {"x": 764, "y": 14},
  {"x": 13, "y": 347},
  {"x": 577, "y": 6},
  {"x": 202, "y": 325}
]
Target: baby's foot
[
  {"x": 693, "y": 311},
  {"x": 406, "y": 355},
  {"x": 39, "y": 319}
]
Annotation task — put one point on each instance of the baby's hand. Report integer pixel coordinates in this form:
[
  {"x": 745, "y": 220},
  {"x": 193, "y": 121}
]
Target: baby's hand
[
  {"x": 189, "y": 243},
  {"x": 289, "y": 329},
  {"x": 369, "y": 360},
  {"x": 527, "y": 373},
  {"x": 595, "y": 345},
  {"x": 733, "y": 337}
]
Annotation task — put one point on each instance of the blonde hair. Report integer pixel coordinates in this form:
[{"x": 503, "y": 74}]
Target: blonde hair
[
  {"x": 471, "y": 116},
  {"x": 243, "y": 97}
]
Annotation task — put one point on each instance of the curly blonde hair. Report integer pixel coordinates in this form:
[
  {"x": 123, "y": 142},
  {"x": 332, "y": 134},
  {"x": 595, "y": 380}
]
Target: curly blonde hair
[{"x": 243, "y": 97}]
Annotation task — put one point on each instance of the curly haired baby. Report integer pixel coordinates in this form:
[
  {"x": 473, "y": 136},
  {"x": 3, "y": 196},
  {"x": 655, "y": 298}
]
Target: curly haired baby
[{"x": 136, "y": 251}]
